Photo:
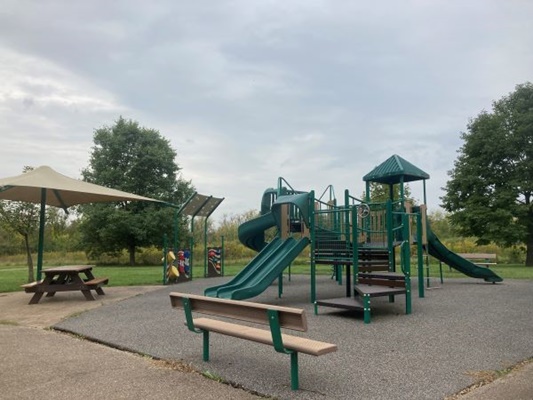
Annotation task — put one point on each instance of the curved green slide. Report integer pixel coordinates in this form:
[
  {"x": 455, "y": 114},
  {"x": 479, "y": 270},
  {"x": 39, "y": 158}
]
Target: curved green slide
[
  {"x": 252, "y": 233},
  {"x": 441, "y": 253}
]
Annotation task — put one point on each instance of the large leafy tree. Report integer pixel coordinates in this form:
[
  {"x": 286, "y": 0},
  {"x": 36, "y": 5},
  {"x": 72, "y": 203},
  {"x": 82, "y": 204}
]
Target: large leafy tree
[
  {"x": 490, "y": 189},
  {"x": 23, "y": 219},
  {"x": 138, "y": 160}
]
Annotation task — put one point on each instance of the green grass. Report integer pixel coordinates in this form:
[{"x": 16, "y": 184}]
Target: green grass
[
  {"x": 12, "y": 276},
  {"x": 506, "y": 271}
]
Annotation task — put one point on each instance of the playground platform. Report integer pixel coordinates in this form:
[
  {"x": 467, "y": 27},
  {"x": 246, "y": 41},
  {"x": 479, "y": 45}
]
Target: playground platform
[{"x": 455, "y": 335}]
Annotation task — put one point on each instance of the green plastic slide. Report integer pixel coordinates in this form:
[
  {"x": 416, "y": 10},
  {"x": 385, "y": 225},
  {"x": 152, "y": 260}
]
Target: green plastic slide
[
  {"x": 441, "y": 253},
  {"x": 273, "y": 257},
  {"x": 252, "y": 233},
  {"x": 258, "y": 275}
]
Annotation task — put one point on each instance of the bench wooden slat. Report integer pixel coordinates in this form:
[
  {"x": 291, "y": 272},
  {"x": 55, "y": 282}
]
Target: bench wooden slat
[
  {"x": 299, "y": 344},
  {"x": 290, "y": 318},
  {"x": 480, "y": 256}
]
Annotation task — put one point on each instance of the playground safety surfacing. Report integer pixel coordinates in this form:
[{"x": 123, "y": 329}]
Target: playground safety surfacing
[{"x": 465, "y": 327}]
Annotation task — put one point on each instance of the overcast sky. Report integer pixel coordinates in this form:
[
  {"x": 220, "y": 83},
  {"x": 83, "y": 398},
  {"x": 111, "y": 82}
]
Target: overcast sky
[{"x": 317, "y": 92}]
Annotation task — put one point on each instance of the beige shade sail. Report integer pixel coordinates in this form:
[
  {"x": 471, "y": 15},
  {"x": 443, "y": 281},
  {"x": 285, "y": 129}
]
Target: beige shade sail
[
  {"x": 61, "y": 191},
  {"x": 45, "y": 186}
]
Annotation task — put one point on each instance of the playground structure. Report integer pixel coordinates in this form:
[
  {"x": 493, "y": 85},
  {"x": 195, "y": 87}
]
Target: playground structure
[
  {"x": 372, "y": 243},
  {"x": 178, "y": 263}
]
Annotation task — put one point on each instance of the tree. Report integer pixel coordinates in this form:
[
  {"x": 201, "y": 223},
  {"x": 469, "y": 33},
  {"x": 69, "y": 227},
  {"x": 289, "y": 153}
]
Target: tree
[
  {"x": 22, "y": 218},
  {"x": 440, "y": 224},
  {"x": 380, "y": 192},
  {"x": 140, "y": 161},
  {"x": 490, "y": 189}
]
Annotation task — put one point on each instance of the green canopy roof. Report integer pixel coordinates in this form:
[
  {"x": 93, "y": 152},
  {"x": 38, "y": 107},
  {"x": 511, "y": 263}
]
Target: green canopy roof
[{"x": 394, "y": 170}]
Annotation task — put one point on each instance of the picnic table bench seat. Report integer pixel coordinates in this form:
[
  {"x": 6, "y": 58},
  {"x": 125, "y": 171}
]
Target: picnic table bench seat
[
  {"x": 31, "y": 287},
  {"x": 97, "y": 282}
]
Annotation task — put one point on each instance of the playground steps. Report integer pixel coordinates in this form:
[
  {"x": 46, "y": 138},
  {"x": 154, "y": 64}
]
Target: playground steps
[
  {"x": 333, "y": 251},
  {"x": 374, "y": 282},
  {"x": 378, "y": 284},
  {"x": 373, "y": 277},
  {"x": 373, "y": 259},
  {"x": 346, "y": 303}
]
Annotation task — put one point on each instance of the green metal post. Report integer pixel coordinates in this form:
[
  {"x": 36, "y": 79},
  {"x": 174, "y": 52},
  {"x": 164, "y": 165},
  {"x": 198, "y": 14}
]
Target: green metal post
[
  {"x": 406, "y": 263},
  {"x": 312, "y": 213},
  {"x": 277, "y": 341},
  {"x": 349, "y": 239},
  {"x": 42, "y": 219},
  {"x": 294, "y": 371},
  {"x": 165, "y": 262},
  {"x": 402, "y": 192},
  {"x": 205, "y": 247},
  {"x": 355, "y": 246},
  {"x": 280, "y": 285},
  {"x": 366, "y": 308},
  {"x": 420, "y": 254},
  {"x": 191, "y": 261},
  {"x": 390, "y": 233},
  {"x": 175, "y": 238},
  {"x": 222, "y": 253},
  {"x": 187, "y": 307},
  {"x": 206, "y": 345}
]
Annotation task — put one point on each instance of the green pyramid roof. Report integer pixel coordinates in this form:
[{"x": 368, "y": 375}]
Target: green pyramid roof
[{"x": 393, "y": 169}]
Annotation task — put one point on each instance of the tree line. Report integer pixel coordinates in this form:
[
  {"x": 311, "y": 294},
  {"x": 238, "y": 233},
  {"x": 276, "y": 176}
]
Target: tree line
[{"x": 488, "y": 196}]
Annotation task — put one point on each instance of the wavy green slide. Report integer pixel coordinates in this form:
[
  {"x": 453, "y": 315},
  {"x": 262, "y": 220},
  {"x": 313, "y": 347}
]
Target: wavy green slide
[
  {"x": 252, "y": 233},
  {"x": 441, "y": 253}
]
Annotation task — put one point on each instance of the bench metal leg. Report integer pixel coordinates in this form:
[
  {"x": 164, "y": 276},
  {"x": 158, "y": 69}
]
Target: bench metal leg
[
  {"x": 206, "y": 345},
  {"x": 294, "y": 371},
  {"x": 408, "y": 304},
  {"x": 366, "y": 308}
]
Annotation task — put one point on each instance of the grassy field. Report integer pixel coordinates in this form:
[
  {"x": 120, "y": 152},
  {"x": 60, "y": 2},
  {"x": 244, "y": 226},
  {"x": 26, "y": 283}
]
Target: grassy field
[{"x": 12, "y": 276}]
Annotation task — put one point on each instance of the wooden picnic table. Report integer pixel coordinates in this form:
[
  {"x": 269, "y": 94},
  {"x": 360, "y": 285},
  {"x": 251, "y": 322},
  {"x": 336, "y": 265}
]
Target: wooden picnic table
[{"x": 66, "y": 278}]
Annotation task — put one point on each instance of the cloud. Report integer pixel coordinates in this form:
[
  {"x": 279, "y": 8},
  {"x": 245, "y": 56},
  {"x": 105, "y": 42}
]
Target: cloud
[{"x": 317, "y": 92}]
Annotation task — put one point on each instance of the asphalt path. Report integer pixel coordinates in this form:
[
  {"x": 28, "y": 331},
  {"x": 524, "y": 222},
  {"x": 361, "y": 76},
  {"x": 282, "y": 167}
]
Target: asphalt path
[{"x": 456, "y": 336}]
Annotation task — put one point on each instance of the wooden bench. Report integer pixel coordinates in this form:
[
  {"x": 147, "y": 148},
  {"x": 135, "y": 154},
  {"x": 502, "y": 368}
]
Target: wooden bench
[
  {"x": 274, "y": 316},
  {"x": 485, "y": 259}
]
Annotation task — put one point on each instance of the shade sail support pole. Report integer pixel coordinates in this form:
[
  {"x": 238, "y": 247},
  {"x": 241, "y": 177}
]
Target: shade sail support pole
[{"x": 42, "y": 221}]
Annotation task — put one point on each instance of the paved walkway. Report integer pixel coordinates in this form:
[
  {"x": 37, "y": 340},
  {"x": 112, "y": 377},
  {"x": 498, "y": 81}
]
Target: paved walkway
[
  {"x": 451, "y": 340},
  {"x": 39, "y": 363}
]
